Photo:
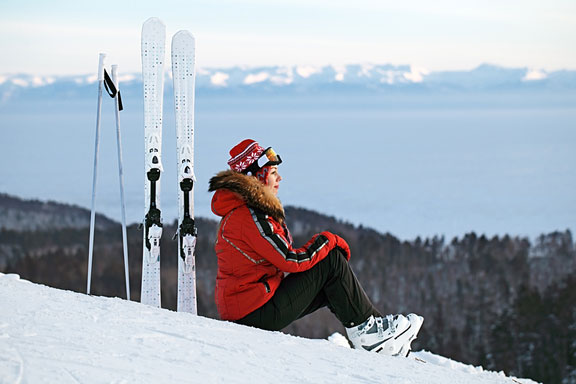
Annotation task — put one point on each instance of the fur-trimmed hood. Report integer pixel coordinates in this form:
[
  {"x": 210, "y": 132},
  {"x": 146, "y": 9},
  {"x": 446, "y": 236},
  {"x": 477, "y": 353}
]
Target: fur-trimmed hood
[{"x": 234, "y": 189}]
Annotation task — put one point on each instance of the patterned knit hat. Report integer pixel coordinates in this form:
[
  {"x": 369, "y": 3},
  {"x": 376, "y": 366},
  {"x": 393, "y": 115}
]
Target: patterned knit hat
[
  {"x": 244, "y": 154},
  {"x": 249, "y": 157}
]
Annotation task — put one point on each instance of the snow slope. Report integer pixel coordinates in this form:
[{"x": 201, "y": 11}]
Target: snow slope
[{"x": 54, "y": 336}]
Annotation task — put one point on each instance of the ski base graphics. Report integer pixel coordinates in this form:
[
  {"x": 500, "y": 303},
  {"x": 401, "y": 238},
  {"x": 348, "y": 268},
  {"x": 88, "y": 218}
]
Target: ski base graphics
[
  {"x": 183, "y": 74},
  {"x": 153, "y": 52}
]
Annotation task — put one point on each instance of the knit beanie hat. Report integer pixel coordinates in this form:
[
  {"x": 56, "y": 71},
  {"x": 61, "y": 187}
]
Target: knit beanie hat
[{"x": 250, "y": 158}]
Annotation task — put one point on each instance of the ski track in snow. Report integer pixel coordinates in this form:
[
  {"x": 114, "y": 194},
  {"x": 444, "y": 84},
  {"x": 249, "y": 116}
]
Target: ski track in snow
[{"x": 54, "y": 336}]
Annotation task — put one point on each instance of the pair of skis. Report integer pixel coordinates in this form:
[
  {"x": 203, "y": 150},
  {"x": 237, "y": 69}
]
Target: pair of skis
[{"x": 183, "y": 73}]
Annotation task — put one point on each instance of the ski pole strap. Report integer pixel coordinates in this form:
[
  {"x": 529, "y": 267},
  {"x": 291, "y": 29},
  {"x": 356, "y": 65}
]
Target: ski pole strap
[{"x": 112, "y": 90}]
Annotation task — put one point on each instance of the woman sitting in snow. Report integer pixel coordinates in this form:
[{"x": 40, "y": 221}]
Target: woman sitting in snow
[{"x": 264, "y": 282}]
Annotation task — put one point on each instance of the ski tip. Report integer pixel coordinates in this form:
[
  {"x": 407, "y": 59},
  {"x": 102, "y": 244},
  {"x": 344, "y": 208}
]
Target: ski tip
[
  {"x": 153, "y": 21},
  {"x": 183, "y": 35}
]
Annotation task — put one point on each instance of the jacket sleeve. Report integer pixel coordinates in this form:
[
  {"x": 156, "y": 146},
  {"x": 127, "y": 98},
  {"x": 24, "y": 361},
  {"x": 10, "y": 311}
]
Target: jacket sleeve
[
  {"x": 275, "y": 248},
  {"x": 343, "y": 245}
]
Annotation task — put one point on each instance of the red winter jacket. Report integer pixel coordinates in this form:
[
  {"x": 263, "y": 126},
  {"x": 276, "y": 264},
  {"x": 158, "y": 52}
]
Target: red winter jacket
[{"x": 254, "y": 246}]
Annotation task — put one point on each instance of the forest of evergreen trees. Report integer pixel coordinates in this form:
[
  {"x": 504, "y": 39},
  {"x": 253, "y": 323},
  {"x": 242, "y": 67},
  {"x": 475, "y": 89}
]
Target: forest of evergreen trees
[{"x": 506, "y": 303}]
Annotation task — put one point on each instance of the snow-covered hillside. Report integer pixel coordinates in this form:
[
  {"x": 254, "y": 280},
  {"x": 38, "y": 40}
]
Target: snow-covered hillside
[{"x": 54, "y": 336}]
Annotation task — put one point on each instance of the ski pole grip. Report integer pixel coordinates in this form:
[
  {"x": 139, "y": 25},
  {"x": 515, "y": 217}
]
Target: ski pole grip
[
  {"x": 115, "y": 75},
  {"x": 101, "y": 67},
  {"x": 116, "y": 86}
]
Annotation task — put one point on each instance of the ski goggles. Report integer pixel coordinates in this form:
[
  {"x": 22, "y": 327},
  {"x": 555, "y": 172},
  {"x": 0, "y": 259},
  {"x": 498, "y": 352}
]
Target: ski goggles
[{"x": 268, "y": 157}]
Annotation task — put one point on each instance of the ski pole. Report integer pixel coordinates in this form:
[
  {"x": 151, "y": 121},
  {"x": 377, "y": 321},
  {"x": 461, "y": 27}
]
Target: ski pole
[
  {"x": 96, "y": 146},
  {"x": 121, "y": 177}
]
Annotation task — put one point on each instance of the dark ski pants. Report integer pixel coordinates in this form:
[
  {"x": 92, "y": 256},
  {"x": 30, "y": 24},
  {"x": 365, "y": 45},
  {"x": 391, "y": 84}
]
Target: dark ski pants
[{"x": 330, "y": 283}]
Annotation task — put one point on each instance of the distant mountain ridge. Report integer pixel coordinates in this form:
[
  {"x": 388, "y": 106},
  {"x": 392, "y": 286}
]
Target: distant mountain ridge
[
  {"x": 32, "y": 215},
  {"x": 359, "y": 77}
]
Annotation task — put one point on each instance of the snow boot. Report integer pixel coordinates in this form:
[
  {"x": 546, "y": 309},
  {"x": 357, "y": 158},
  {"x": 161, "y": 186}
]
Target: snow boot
[
  {"x": 387, "y": 335},
  {"x": 415, "y": 325}
]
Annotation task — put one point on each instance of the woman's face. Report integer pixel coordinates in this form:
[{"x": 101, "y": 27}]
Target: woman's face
[{"x": 273, "y": 179}]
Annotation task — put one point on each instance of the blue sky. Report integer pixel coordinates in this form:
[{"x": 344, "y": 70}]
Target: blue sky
[{"x": 65, "y": 37}]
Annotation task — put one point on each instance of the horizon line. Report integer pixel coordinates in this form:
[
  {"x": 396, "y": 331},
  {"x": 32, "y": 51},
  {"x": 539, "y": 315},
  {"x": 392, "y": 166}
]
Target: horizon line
[{"x": 412, "y": 67}]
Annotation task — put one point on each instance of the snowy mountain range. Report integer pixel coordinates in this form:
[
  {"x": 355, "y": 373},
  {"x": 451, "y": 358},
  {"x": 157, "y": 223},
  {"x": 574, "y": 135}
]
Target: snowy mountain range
[
  {"x": 57, "y": 336},
  {"x": 311, "y": 78}
]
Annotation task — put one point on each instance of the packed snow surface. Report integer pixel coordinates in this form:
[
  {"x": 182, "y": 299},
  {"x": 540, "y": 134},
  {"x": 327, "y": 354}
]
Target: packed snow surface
[{"x": 54, "y": 336}]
